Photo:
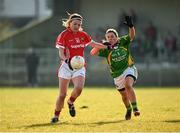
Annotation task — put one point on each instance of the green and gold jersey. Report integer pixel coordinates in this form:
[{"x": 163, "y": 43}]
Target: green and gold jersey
[{"x": 118, "y": 58}]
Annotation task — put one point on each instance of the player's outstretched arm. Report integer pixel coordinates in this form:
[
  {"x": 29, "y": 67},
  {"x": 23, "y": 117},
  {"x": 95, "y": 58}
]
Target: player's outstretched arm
[
  {"x": 97, "y": 45},
  {"x": 94, "y": 51}
]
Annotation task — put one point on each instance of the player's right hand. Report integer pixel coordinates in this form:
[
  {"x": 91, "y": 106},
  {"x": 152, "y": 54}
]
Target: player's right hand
[
  {"x": 109, "y": 46},
  {"x": 106, "y": 43},
  {"x": 68, "y": 61}
]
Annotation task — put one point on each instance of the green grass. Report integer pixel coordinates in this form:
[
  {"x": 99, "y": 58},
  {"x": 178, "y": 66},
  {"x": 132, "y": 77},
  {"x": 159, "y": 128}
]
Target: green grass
[{"x": 27, "y": 109}]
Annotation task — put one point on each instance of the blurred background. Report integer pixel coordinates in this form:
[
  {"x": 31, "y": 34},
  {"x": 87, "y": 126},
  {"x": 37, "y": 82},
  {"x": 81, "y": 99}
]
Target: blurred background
[{"x": 28, "y": 30}]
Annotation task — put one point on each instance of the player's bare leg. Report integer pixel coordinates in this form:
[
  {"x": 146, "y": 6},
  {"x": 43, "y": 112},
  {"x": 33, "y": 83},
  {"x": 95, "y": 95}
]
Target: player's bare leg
[
  {"x": 78, "y": 86},
  {"x": 129, "y": 81},
  {"x": 126, "y": 102},
  {"x": 63, "y": 85}
]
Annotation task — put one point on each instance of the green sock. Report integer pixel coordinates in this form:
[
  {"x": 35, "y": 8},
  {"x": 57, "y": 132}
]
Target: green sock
[
  {"x": 128, "y": 107},
  {"x": 134, "y": 105}
]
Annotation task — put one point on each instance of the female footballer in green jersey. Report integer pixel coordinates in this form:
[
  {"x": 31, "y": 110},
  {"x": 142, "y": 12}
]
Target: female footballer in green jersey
[{"x": 121, "y": 65}]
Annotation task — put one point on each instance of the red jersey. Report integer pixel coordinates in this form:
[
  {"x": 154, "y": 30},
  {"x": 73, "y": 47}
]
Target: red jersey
[{"x": 74, "y": 42}]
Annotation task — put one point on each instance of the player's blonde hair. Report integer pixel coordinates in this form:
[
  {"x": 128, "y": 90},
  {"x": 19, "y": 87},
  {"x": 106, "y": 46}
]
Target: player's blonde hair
[{"x": 74, "y": 16}]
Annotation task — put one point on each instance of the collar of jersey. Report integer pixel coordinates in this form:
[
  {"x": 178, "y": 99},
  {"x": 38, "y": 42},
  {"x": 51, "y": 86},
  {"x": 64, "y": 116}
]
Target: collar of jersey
[{"x": 116, "y": 44}]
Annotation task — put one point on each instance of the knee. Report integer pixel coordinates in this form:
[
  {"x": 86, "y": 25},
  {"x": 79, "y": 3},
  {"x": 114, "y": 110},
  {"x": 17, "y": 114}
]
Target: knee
[
  {"x": 128, "y": 86},
  {"x": 78, "y": 89},
  {"x": 62, "y": 96}
]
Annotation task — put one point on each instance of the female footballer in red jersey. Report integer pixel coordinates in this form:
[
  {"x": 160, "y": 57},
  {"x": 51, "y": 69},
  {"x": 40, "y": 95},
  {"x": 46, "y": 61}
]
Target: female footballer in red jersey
[{"x": 71, "y": 42}]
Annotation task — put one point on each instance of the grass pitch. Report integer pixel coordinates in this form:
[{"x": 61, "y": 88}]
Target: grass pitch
[{"x": 98, "y": 110}]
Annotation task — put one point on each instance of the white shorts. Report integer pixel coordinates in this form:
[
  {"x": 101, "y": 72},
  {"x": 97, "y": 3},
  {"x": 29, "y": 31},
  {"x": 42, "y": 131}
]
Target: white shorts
[
  {"x": 66, "y": 73},
  {"x": 120, "y": 80}
]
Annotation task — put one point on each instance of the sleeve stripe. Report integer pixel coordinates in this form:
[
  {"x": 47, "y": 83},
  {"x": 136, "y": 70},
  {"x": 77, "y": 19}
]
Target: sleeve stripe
[
  {"x": 89, "y": 42},
  {"x": 59, "y": 46}
]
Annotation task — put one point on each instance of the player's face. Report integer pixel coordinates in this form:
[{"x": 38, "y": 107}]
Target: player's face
[
  {"x": 75, "y": 25},
  {"x": 111, "y": 38}
]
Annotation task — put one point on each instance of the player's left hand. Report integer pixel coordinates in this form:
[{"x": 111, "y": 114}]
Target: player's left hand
[{"x": 128, "y": 21}]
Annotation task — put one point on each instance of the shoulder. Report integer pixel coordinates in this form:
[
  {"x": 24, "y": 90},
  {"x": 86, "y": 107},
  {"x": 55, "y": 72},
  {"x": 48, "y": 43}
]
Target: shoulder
[
  {"x": 83, "y": 33},
  {"x": 124, "y": 37},
  {"x": 63, "y": 33}
]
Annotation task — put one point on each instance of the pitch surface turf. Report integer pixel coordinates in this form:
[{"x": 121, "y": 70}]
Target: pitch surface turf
[{"x": 98, "y": 110}]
